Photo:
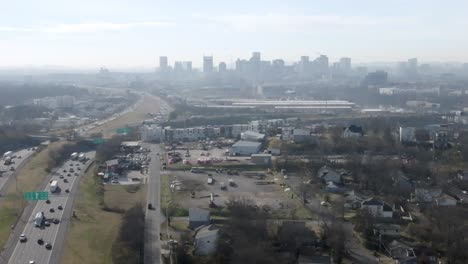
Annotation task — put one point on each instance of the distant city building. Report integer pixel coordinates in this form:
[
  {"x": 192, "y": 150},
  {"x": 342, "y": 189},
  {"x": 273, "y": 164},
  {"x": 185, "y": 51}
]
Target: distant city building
[
  {"x": 345, "y": 64},
  {"x": 207, "y": 64},
  {"x": 222, "y": 67},
  {"x": 65, "y": 101},
  {"x": 376, "y": 78},
  {"x": 163, "y": 64}
]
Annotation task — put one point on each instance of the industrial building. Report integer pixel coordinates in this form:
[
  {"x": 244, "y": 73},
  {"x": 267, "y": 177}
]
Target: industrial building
[{"x": 245, "y": 148}]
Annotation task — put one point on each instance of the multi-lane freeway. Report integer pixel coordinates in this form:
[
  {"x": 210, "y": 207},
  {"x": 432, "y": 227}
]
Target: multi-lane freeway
[
  {"x": 68, "y": 176},
  {"x": 153, "y": 214},
  {"x": 5, "y": 170}
]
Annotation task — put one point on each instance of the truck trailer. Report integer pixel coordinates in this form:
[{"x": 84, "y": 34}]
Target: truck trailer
[
  {"x": 54, "y": 186},
  {"x": 39, "y": 219}
]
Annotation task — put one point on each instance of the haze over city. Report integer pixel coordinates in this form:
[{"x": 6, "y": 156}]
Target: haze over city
[
  {"x": 227, "y": 132},
  {"x": 126, "y": 34}
]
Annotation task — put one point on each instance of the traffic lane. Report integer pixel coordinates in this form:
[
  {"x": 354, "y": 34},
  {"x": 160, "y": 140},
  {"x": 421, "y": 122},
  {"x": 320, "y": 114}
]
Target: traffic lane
[
  {"x": 25, "y": 252},
  {"x": 5, "y": 170},
  {"x": 152, "y": 221}
]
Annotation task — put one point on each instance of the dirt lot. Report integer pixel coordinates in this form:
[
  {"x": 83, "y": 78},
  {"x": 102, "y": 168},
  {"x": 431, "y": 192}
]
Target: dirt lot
[
  {"x": 149, "y": 104},
  {"x": 272, "y": 195}
]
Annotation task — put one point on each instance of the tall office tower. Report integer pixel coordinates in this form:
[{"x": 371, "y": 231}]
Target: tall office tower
[
  {"x": 303, "y": 65},
  {"x": 188, "y": 66},
  {"x": 163, "y": 65},
  {"x": 256, "y": 55},
  {"x": 208, "y": 64},
  {"x": 222, "y": 67},
  {"x": 412, "y": 64},
  {"x": 345, "y": 64}
]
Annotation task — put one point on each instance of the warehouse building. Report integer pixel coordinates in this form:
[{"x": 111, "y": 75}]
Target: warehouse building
[{"x": 245, "y": 148}]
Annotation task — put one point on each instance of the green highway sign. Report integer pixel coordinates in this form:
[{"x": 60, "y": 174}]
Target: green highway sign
[
  {"x": 34, "y": 196},
  {"x": 98, "y": 141},
  {"x": 122, "y": 130}
]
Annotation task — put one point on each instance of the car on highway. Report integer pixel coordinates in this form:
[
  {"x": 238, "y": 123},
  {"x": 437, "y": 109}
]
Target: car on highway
[
  {"x": 47, "y": 201},
  {"x": 56, "y": 221},
  {"x": 23, "y": 238},
  {"x": 65, "y": 180},
  {"x": 47, "y": 223},
  {"x": 32, "y": 262},
  {"x": 51, "y": 210},
  {"x": 48, "y": 246},
  {"x": 67, "y": 191},
  {"x": 64, "y": 170},
  {"x": 61, "y": 177},
  {"x": 60, "y": 207},
  {"x": 40, "y": 241},
  {"x": 150, "y": 206}
]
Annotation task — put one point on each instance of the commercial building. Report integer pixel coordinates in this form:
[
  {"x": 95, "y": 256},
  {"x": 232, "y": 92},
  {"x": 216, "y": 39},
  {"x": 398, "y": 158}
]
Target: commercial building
[
  {"x": 252, "y": 136},
  {"x": 207, "y": 64},
  {"x": 407, "y": 134},
  {"x": 261, "y": 159},
  {"x": 245, "y": 148},
  {"x": 163, "y": 64}
]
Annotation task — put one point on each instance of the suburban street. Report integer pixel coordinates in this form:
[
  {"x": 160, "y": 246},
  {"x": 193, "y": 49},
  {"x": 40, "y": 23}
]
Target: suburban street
[
  {"x": 5, "y": 172},
  {"x": 53, "y": 234},
  {"x": 152, "y": 216}
]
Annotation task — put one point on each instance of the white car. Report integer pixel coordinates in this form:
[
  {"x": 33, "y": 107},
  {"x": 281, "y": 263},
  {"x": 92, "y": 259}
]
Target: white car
[
  {"x": 31, "y": 262},
  {"x": 323, "y": 203},
  {"x": 23, "y": 238}
]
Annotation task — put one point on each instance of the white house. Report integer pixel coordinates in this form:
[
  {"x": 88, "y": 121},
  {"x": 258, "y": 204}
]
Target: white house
[
  {"x": 377, "y": 208},
  {"x": 205, "y": 240},
  {"x": 353, "y": 131},
  {"x": 445, "y": 200}
]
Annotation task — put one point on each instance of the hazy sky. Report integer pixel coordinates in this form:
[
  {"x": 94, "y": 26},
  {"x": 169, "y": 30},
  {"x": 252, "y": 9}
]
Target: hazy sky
[{"x": 120, "y": 33}]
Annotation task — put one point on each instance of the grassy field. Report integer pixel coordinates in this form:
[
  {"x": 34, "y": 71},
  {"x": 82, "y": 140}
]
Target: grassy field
[
  {"x": 29, "y": 178},
  {"x": 91, "y": 235},
  {"x": 150, "y": 104}
]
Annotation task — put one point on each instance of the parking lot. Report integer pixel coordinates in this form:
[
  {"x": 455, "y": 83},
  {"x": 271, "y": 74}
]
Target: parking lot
[{"x": 262, "y": 190}]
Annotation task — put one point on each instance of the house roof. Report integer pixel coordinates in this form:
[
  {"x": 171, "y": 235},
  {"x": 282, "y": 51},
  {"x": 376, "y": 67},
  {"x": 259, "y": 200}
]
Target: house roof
[
  {"x": 387, "y": 226},
  {"x": 355, "y": 129},
  {"x": 112, "y": 162},
  {"x": 372, "y": 201},
  {"x": 206, "y": 231}
]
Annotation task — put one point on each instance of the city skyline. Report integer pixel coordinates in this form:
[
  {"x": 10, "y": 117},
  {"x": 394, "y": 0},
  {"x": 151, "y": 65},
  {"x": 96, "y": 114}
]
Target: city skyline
[{"x": 122, "y": 33}]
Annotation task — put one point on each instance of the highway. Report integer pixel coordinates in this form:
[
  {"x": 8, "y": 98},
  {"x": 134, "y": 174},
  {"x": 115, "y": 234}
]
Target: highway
[
  {"x": 6, "y": 173},
  {"x": 153, "y": 216},
  {"x": 55, "y": 233}
]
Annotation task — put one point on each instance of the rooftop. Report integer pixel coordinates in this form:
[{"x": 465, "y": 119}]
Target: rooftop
[{"x": 243, "y": 143}]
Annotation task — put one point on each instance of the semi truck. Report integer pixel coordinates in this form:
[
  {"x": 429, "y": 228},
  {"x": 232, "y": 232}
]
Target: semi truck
[
  {"x": 74, "y": 155},
  {"x": 7, "y": 154},
  {"x": 39, "y": 219},
  {"x": 54, "y": 186}
]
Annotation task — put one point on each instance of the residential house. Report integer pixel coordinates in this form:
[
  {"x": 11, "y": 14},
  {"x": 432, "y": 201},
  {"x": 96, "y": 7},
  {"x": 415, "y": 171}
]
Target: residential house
[
  {"x": 205, "y": 240},
  {"x": 353, "y": 200},
  {"x": 401, "y": 253},
  {"x": 334, "y": 188},
  {"x": 445, "y": 200},
  {"x": 353, "y": 131},
  {"x": 326, "y": 174},
  {"x": 377, "y": 208},
  {"x": 387, "y": 229},
  {"x": 198, "y": 217},
  {"x": 426, "y": 195},
  {"x": 462, "y": 176}
]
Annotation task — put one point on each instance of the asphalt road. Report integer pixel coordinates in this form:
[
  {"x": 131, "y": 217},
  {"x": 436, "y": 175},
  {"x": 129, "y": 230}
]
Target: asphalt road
[
  {"x": 55, "y": 233},
  {"x": 6, "y": 173},
  {"x": 153, "y": 216}
]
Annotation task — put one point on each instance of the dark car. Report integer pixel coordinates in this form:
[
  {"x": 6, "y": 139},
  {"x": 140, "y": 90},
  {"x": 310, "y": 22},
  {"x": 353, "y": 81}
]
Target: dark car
[
  {"x": 61, "y": 177},
  {"x": 65, "y": 180},
  {"x": 64, "y": 170},
  {"x": 67, "y": 191},
  {"x": 51, "y": 210},
  {"x": 68, "y": 174},
  {"x": 40, "y": 241},
  {"x": 47, "y": 201},
  {"x": 48, "y": 246},
  {"x": 150, "y": 206},
  {"x": 60, "y": 207},
  {"x": 56, "y": 221}
]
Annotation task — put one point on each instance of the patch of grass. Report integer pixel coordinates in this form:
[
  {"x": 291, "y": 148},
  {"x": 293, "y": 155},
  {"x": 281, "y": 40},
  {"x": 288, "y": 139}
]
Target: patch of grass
[
  {"x": 150, "y": 104},
  {"x": 123, "y": 197},
  {"x": 29, "y": 178},
  {"x": 92, "y": 234},
  {"x": 165, "y": 191}
]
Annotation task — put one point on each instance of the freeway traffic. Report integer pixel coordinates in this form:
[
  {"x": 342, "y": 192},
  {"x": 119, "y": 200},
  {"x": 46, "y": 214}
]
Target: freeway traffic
[
  {"x": 6, "y": 170},
  {"x": 57, "y": 207}
]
